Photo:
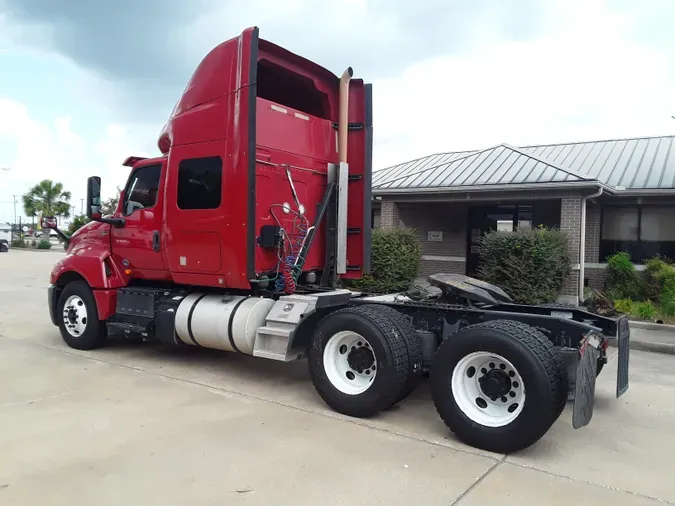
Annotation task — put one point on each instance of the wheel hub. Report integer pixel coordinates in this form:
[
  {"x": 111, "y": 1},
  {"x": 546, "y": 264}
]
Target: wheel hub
[
  {"x": 360, "y": 359},
  {"x": 488, "y": 389},
  {"x": 75, "y": 316},
  {"x": 349, "y": 362},
  {"x": 496, "y": 383},
  {"x": 72, "y": 315}
]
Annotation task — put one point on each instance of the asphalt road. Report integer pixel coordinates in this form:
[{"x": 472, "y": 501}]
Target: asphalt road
[{"x": 139, "y": 425}]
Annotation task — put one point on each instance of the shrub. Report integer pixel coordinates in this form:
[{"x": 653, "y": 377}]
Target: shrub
[
  {"x": 44, "y": 244},
  {"x": 18, "y": 243},
  {"x": 395, "y": 260},
  {"x": 530, "y": 265},
  {"x": 655, "y": 270},
  {"x": 667, "y": 295},
  {"x": 624, "y": 306},
  {"x": 622, "y": 279},
  {"x": 77, "y": 223},
  {"x": 645, "y": 310}
]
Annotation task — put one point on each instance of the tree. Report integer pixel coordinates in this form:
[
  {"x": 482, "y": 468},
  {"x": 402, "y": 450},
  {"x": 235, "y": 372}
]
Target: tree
[
  {"x": 77, "y": 223},
  {"x": 110, "y": 206},
  {"x": 47, "y": 198}
]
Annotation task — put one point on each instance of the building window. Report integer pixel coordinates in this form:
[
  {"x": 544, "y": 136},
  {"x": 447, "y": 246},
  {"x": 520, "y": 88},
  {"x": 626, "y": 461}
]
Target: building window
[
  {"x": 641, "y": 231},
  {"x": 142, "y": 188},
  {"x": 200, "y": 183}
]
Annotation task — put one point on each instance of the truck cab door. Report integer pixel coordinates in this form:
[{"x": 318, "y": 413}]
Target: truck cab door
[
  {"x": 137, "y": 245},
  {"x": 197, "y": 217}
]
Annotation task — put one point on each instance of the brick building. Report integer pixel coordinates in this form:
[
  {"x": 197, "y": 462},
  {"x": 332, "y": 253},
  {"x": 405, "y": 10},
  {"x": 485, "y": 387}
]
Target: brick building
[{"x": 609, "y": 196}]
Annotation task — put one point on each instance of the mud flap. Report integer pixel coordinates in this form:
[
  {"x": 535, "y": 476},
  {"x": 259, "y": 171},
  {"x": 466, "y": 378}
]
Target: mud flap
[
  {"x": 584, "y": 395},
  {"x": 624, "y": 357}
]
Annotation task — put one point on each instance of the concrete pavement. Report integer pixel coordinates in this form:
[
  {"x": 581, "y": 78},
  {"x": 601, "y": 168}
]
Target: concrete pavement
[{"x": 143, "y": 425}]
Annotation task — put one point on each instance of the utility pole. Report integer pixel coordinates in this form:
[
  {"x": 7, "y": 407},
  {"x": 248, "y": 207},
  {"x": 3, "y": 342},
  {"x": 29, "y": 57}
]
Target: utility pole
[
  {"x": 14, "y": 225},
  {"x": 81, "y": 207}
]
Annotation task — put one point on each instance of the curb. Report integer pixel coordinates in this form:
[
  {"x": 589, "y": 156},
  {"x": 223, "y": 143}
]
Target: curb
[
  {"x": 649, "y": 346},
  {"x": 35, "y": 250},
  {"x": 661, "y": 327}
]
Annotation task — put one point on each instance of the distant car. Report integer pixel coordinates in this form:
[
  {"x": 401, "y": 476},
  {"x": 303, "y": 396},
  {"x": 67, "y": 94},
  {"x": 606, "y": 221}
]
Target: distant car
[{"x": 4, "y": 246}]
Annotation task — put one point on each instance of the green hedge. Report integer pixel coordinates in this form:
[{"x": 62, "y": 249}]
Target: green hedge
[
  {"x": 622, "y": 279},
  {"x": 395, "y": 261},
  {"x": 44, "y": 244},
  {"x": 645, "y": 295},
  {"x": 530, "y": 265}
]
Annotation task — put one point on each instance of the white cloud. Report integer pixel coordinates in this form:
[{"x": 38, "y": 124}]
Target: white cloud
[
  {"x": 586, "y": 79},
  {"x": 54, "y": 151}
]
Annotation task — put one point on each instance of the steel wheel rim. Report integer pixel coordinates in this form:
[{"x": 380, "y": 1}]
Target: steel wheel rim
[
  {"x": 477, "y": 377},
  {"x": 351, "y": 376},
  {"x": 75, "y": 316}
]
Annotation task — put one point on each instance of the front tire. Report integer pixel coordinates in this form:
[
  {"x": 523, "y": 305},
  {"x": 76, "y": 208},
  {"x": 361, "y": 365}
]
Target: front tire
[
  {"x": 498, "y": 385},
  {"x": 77, "y": 317},
  {"x": 359, "y": 361}
]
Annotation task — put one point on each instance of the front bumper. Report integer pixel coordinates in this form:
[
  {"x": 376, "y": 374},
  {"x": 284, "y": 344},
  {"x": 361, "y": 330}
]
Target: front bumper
[{"x": 52, "y": 298}]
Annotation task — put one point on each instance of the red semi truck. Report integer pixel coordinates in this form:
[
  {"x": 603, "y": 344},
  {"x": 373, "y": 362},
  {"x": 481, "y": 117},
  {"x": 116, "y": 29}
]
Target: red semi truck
[{"x": 238, "y": 236}]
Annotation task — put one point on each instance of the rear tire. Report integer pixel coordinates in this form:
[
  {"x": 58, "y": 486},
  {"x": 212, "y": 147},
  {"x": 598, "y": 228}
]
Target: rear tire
[
  {"x": 415, "y": 354},
  {"x": 359, "y": 360},
  {"x": 498, "y": 385},
  {"x": 77, "y": 317},
  {"x": 561, "y": 370}
]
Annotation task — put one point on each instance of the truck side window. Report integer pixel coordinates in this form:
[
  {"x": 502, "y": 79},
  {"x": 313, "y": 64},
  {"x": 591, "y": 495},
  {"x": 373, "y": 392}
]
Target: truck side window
[
  {"x": 200, "y": 183},
  {"x": 142, "y": 188}
]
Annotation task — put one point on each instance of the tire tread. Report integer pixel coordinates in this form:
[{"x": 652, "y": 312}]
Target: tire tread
[
  {"x": 554, "y": 373},
  {"x": 95, "y": 335},
  {"x": 381, "y": 321},
  {"x": 407, "y": 330}
]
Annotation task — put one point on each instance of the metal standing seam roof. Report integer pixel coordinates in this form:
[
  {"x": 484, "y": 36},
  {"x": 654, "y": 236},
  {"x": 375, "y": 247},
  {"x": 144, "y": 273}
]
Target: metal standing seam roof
[
  {"x": 634, "y": 164},
  {"x": 498, "y": 165}
]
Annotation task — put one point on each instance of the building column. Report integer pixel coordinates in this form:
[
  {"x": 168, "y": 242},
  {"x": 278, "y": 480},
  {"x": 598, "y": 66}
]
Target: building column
[
  {"x": 592, "y": 232},
  {"x": 389, "y": 215},
  {"x": 570, "y": 223}
]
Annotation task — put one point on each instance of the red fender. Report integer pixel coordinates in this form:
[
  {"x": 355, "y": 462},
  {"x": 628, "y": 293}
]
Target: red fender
[{"x": 89, "y": 259}]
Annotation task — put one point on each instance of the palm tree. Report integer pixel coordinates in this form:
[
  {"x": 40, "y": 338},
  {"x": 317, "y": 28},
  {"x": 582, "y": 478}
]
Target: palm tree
[{"x": 47, "y": 198}]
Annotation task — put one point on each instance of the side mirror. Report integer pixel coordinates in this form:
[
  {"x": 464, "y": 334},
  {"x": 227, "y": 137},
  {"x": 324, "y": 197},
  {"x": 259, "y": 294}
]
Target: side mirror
[
  {"x": 48, "y": 222},
  {"x": 94, "y": 198},
  {"x": 94, "y": 203}
]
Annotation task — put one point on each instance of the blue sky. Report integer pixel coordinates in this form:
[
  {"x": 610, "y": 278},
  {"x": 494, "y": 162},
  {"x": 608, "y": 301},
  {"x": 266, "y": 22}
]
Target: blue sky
[{"x": 84, "y": 84}]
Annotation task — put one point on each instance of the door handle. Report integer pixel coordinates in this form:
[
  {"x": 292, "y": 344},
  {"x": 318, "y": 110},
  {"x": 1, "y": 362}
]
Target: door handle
[{"x": 155, "y": 241}]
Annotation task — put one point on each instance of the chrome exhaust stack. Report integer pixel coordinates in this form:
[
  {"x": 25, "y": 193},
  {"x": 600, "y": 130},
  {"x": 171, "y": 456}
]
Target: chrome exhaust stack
[{"x": 343, "y": 172}]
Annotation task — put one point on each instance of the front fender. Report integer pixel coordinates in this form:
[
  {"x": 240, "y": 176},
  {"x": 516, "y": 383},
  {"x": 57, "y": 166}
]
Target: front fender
[{"x": 95, "y": 266}]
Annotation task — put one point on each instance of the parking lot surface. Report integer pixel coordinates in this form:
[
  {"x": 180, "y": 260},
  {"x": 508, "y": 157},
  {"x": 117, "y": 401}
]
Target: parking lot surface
[{"x": 139, "y": 425}]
